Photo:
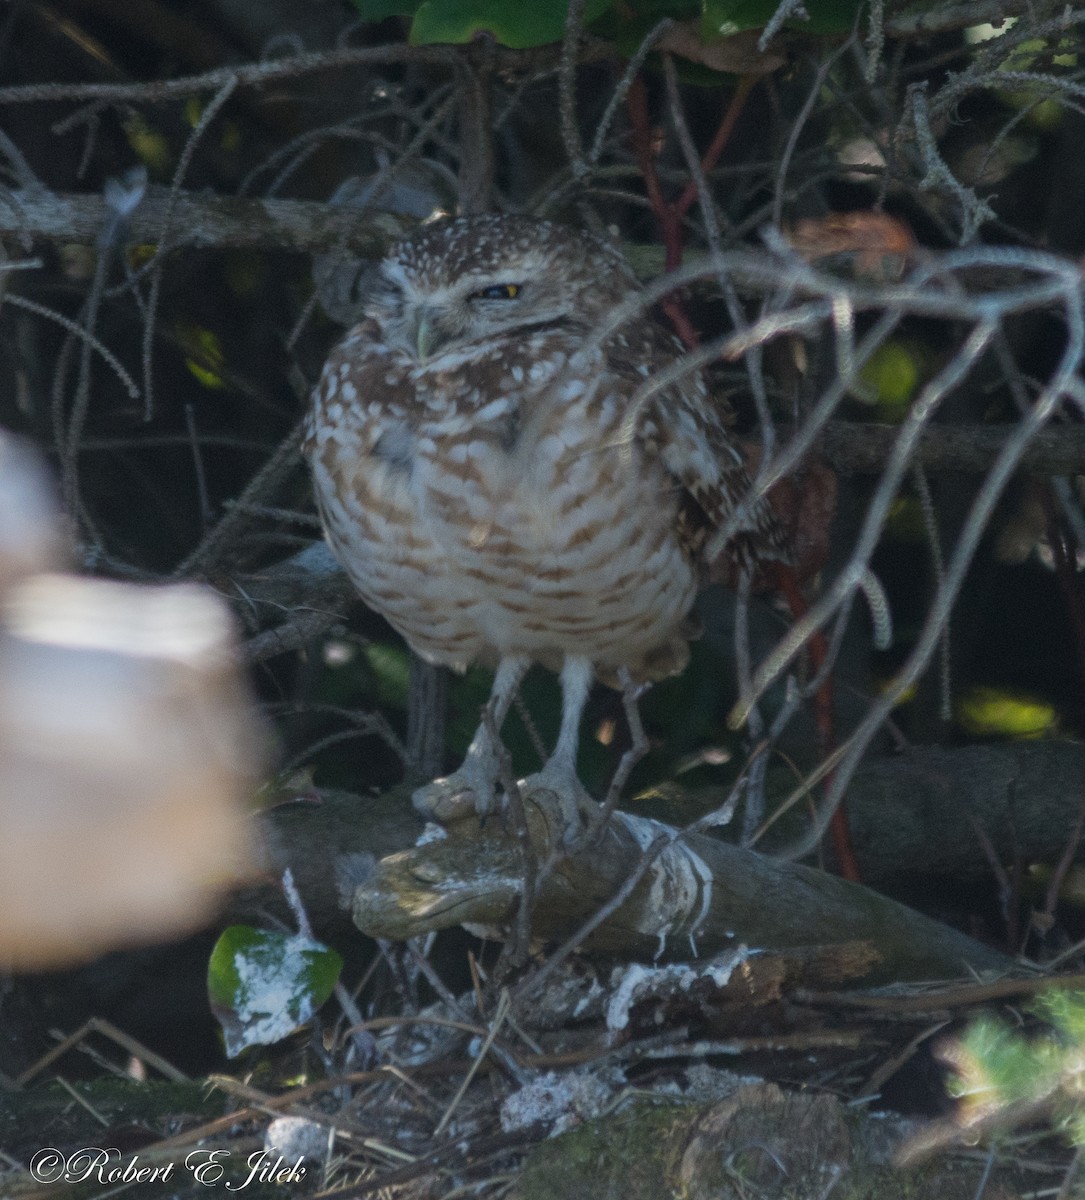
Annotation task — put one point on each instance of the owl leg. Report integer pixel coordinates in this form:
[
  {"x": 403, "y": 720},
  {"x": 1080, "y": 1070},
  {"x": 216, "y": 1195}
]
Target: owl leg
[
  {"x": 559, "y": 772},
  {"x": 472, "y": 786}
]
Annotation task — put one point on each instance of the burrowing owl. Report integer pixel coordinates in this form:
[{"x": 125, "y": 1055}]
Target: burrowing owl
[{"x": 500, "y": 481}]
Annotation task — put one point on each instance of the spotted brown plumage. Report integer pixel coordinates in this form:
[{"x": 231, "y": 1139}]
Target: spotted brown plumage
[{"x": 499, "y": 481}]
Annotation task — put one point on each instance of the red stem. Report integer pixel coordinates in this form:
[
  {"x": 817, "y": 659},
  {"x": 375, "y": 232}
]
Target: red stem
[
  {"x": 670, "y": 224},
  {"x": 723, "y": 136},
  {"x": 670, "y": 217}
]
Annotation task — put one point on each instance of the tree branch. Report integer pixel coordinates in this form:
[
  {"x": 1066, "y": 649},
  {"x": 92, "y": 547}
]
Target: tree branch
[
  {"x": 853, "y": 447},
  {"x": 257, "y": 74},
  {"x": 916, "y": 24},
  {"x": 206, "y": 221}
]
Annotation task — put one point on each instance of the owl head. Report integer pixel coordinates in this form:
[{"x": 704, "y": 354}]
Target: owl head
[{"x": 463, "y": 282}]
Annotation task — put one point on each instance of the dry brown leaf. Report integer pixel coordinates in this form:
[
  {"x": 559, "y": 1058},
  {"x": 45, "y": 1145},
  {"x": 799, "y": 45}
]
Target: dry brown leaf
[{"x": 737, "y": 54}]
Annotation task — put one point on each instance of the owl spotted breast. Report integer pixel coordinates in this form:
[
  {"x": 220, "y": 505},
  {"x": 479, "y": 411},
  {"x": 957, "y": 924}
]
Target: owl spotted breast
[{"x": 494, "y": 485}]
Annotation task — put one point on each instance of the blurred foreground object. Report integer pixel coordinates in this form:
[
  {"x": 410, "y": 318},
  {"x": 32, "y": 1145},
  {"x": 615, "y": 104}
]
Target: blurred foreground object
[
  {"x": 30, "y": 523},
  {"x": 128, "y": 748}
]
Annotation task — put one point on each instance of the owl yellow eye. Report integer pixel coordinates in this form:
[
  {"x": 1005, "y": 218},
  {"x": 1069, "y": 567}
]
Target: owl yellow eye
[{"x": 498, "y": 291}]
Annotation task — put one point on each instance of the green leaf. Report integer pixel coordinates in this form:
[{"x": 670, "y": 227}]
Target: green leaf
[
  {"x": 890, "y": 378},
  {"x": 1004, "y": 712},
  {"x": 263, "y": 984},
  {"x": 518, "y": 26},
  {"x": 656, "y": 10},
  {"x": 379, "y": 10},
  {"x": 724, "y": 18}
]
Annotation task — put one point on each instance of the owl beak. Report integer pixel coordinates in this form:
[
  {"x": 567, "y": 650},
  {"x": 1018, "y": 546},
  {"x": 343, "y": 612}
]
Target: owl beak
[{"x": 427, "y": 331}]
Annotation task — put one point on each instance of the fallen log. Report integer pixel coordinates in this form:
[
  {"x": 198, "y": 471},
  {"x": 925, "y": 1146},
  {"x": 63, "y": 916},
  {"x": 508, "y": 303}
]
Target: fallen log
[
  {"x": 920, "y": 810},
  {"x": 917, "y": 811},
  {"x": 696, "y": 896}
]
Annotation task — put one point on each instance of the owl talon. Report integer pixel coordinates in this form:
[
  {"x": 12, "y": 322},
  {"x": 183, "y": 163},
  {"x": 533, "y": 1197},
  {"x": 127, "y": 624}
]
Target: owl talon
[
  {"x": 578, "y": 809},
  {"x": 453, "y": 798}
]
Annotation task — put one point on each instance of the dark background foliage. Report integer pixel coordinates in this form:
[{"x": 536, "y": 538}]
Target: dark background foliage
[{"x": 180, "y": 463}]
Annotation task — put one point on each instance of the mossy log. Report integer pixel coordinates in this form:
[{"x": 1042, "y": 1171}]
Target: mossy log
[{"x": 759, "y": 1141}]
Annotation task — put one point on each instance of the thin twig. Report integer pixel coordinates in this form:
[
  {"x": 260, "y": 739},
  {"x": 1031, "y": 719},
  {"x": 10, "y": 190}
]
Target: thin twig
[
  {"x": 162, "y": 240},
  {"x": 570, "y": 129},
  {"x": 246, "y": 75},
  {"x": 263, "y": 483}
]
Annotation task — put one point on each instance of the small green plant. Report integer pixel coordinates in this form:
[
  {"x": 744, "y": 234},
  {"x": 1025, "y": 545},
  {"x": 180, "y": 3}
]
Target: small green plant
[{"x": 1004, "y": 1077}]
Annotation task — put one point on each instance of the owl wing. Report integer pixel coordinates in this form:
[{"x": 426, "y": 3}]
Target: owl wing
[{"x": 685, "y": 430}]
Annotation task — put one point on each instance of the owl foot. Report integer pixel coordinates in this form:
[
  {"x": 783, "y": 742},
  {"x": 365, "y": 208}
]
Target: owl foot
[
  {"x": 472, "y": 787},
  {"x": 466, "y": 791},
  {"x": 578, "y": 809}
]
